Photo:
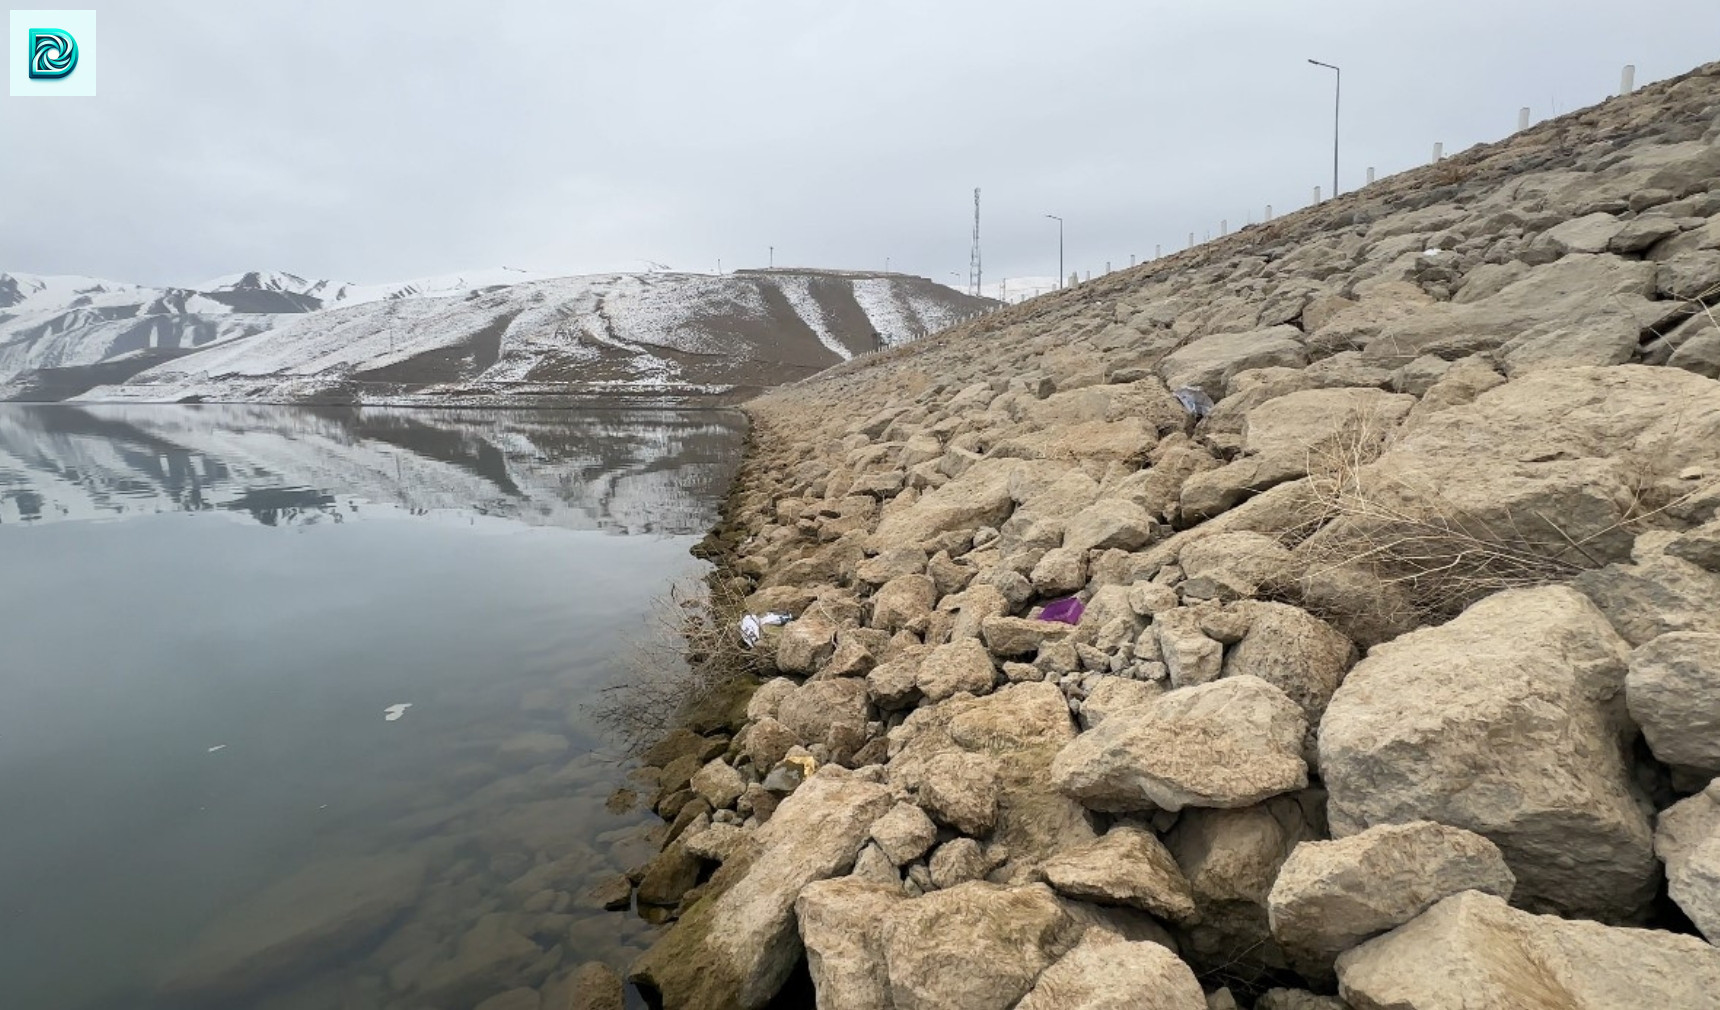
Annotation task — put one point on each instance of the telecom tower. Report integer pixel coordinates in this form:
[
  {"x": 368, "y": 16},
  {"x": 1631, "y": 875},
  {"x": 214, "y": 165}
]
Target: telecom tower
[{"x": 973, "y": 263}]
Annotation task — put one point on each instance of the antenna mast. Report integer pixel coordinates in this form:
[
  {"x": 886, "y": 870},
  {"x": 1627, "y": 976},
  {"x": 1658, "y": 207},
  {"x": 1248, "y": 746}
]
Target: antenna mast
[{"x": 973, "y": 263}]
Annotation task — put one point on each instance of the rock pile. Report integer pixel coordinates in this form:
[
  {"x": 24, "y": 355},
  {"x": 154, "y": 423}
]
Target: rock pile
[{"x": 1397, "y": 682}]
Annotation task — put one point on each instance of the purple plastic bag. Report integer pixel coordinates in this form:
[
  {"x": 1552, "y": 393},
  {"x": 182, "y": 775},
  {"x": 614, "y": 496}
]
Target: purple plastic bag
[{"x": 1067, "y": 610}]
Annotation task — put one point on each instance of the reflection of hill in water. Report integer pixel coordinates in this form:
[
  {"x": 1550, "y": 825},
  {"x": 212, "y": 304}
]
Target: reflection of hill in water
[{"x": 630, "y": 471}]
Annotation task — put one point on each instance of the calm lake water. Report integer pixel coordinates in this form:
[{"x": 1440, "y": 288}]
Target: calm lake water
[{"x": 206, "y": 616}]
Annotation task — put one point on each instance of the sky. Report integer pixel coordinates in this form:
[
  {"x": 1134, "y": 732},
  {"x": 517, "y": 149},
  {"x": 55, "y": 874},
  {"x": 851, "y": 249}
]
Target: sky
[{"x": 387, "y": 140}]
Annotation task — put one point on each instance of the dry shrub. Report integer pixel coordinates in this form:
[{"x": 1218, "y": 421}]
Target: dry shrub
[
  {"x": 1440, "y": 556},
  {"x": 690, "y": 651}
]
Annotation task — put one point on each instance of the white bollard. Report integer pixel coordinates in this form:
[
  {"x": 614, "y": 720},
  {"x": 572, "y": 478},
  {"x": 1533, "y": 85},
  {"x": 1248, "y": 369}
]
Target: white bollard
[
  {"x": 1107, "y": 266},
  {"x": 1191, "y": 240},
  {"x": 1269, "y": 212},
  {"x": 1131, "y": 259},
  {"x": 1370, "y": 175},
  {"x": 1438, "y": 151},
  {"x": 1316, "y": 194},
  {"x": 1522, "y": 119},
  {"x": 1627, "y": 79},
  {"x": 1223, "y": 227},
  {"x": 1158, "y": 250}
]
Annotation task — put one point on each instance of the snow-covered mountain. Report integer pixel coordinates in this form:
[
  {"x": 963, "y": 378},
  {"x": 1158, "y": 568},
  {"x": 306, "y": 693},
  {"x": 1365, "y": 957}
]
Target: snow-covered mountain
[{"x": 502, "y": 336}]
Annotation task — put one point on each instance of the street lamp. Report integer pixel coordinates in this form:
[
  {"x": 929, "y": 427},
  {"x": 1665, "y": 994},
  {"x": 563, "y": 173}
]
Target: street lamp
[
  {"x": 1059, "y": 221},
  {"x": 1337, "y": 96}
]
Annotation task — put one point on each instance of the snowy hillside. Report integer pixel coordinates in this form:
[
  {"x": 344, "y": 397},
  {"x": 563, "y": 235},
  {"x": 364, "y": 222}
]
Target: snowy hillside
[{"x": 488, "y": 337}]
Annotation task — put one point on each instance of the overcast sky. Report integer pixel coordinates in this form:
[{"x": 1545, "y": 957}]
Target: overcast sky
[{"x": 373, "y": 141}]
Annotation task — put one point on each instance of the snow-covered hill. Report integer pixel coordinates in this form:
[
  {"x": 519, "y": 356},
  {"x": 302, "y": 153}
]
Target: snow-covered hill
[{"x": 489, "y": 337}]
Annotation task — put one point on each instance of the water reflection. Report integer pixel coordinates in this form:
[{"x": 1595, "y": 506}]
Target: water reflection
[
  {"x": 626, "y": 471},
  {"x": 204, "y": 802}
]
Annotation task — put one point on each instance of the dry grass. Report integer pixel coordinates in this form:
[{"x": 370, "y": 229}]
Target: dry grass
[
  {"x": 690, "y": 651},
  {"x": 1440, "y": 556}
]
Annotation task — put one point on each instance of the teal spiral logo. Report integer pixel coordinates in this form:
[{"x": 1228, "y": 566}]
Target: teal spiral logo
[{"x": 53, "y": 53}]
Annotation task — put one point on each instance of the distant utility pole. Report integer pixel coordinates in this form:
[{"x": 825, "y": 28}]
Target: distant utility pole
[
  {"x": 1059, "y": 221},
  {"x": 1337, "y": 96},
  {"x": 974, "y": 274}
]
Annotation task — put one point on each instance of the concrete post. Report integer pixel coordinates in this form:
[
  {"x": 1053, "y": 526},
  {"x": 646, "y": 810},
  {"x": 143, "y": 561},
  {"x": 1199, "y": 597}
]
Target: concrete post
[
  {"x": 1268, "y": 212},
  {"x": 1439, "y": 151},
  {"x": 1131, "y": 259},
  {"x": 1627, "y": 79},
  {"x": 1223, "y": 227},
  {"x": 1522, "y": 119},
  {"x": 1107, "y": 266},
  {"x": 1158, "y": 250},
  {"x": 1370, "y": 175},
  {"x": 1316, "y": 194},
  {"x": 1191, "y": 240}
]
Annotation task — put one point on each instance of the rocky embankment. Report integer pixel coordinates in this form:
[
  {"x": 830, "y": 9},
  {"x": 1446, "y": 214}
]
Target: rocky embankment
[{"x": 1397, "y": 683}]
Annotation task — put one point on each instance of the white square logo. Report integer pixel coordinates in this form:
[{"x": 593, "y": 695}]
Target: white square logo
[{"x": 52, "y": 54}]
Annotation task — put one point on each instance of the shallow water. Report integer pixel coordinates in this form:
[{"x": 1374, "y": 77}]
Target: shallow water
[{"x": 206, "y": 614}]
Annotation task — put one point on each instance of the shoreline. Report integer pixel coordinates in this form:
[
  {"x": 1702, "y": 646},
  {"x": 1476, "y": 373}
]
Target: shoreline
[{"x": 939, "y": 799}]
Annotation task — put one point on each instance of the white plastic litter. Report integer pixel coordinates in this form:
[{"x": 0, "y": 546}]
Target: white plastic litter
[
  {"x": 393, "y": 712},
  {"x": 752, "y": 628},
  {"x": 219, "y": 746}
]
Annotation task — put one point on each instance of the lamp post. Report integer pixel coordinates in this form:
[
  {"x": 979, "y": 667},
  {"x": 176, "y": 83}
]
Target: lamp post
[
  {"x": 1059, "y": 221},
  {"x": 1337, "y": 96}
]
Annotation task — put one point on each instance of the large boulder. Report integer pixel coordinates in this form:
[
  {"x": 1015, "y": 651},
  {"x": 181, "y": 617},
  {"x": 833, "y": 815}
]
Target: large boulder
[
  {"x": 1020, "y": 729},
  {"x": 975, "y": 946},
  {"x": 817, "y": 705},
  {"x": 1472, "y": 951},
  {"x": 841, "y": 926},
  {"x": 905, "y": 602},
  {"x": 1687, "y": 839},
  {"x": 1297, "y": 653},
  {"x": 1508, "y": 721},
  {"x": 959, "y": 788},
  {"x": 978, "y": 497},
  {"x": 1127, "y": 866},
  {"x": 737, "y": 945},
  {"x": 1657, "y": 596},
  {"x": 1330, "y": 896},
  {"x": 1673, "y": 690},
  {"x": 1210, "y": 362},
  {"x": 962, "y": 665},
  {"x": 328, "y": 908},
  {"x": 1230, "y": 743},
  {"x": 1106, "y": 972},
  {"x": 1231, "y": 858}
]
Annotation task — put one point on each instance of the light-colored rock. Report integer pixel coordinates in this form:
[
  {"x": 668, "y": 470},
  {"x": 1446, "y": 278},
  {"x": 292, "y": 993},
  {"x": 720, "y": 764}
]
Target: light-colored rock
[
  {"x": 1297, "y": 999},
  {"x": 329, "y": 907},
  {"x": 1250, "y": 560},
  {"x": 1210, "y": 362},
  {"x": 1191, "y": 657},
  {"x": 963, "y": 665},
  {"x": 1330, "y": 896},
  {"x": 1591, "y": 233},
  {"x": 805, "y": 644},
  {"x": 905, "y": 602},
  {"x": 1297, "y": 653},
  {"x": 905, "y": 833},
  {"x": 841, "y": 924},
  {"x": 960, "y": 789},
  {"x": 718, "y": 843},
  {"x": 979, "y": 496},
  {"x": 736, "y": 949},
  {"x": 1673, "y": 691},
  {"x": 1655, "y": 597},
  {"x": 1109, "y": 523},
  {"x": 766, "y": 701},
  {"x": 1062, "y": 570},
  {"x": 1020, "y": 636},
  {"x": 1700, "y": 546},
  {"x": 768, "y": 742},
  {"x": 817, "y": 705},
  {"x": 892, "y": 563},
  {"x": 719, "y": 784},
  {"x": 1231, "y": 858},
  {"x": 593, "y": 986},
  {"x": 1127, "y": 866},
  {"x": 1474, "y": 952},
  {"x": 1687, "y": 839},
  {"x": 1105, "y": 972},
  {"x": 1112, "y": 694},
  {"x": 1020, "y": 727},
  {"x": 1230, "y": 743},
  {"x": 976, "y": 946},
  {"x": 957, "y": 861},
  {"x": 1508, "y": 721}
]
